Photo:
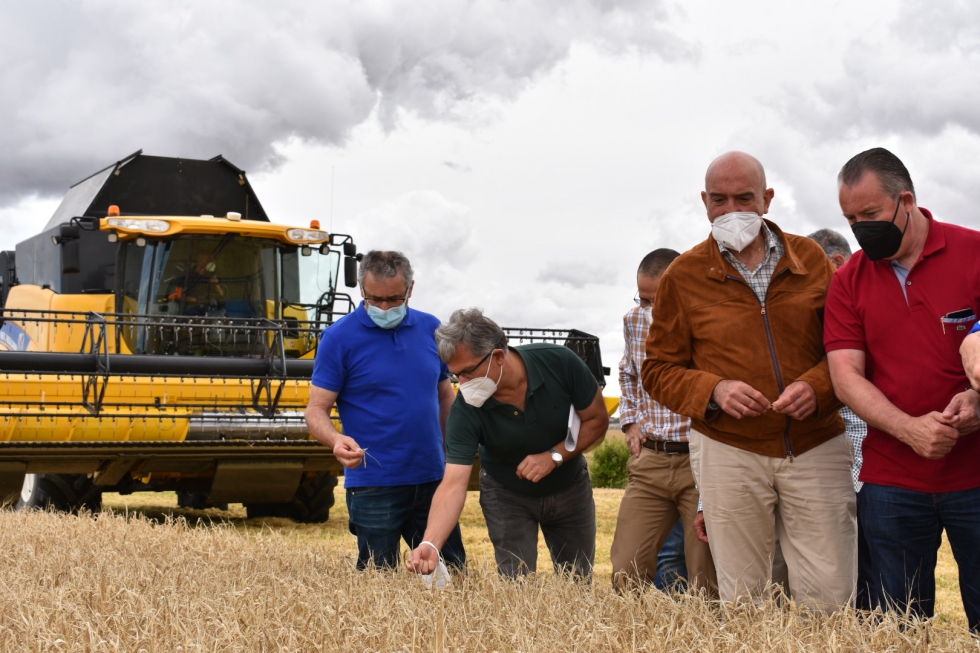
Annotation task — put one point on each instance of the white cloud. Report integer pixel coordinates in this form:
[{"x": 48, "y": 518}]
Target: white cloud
[
  {"x": 87, "y": 83},
  {"x": 436, "y": 235},
  {"x": 579, "y": 273}
]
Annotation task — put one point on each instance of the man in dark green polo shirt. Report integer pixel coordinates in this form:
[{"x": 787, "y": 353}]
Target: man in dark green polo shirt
[{"x": 513, "y": 407}]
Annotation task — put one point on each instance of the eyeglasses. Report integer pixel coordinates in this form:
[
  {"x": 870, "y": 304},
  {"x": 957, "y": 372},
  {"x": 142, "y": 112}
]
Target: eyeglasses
[
  {"x": 640, "y": 301},
  {"x": 468, "y": 373},
  {"x": 390, "y": 301}
]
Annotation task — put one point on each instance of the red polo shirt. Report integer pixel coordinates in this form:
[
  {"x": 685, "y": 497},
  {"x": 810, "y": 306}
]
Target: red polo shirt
[{"x": 912, "y": 356}]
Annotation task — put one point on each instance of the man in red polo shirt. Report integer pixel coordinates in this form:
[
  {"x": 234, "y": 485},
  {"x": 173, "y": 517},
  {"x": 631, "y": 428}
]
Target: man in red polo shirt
[{"x": 895, "y": 317}]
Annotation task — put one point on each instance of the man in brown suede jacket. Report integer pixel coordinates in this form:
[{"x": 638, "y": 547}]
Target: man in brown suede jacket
[{"x": 737, "y": 345}]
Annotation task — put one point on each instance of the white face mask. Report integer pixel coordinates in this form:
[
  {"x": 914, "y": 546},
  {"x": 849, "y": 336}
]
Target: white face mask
[
  {"x": 648, "y": 311},
  {"x": 736, "y": 230},
  {"x": 476, "y": 391}
]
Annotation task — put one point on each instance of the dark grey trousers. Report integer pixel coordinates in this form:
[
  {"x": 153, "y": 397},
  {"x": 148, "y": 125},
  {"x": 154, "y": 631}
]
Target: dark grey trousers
[{"x": 567, "y": 519}]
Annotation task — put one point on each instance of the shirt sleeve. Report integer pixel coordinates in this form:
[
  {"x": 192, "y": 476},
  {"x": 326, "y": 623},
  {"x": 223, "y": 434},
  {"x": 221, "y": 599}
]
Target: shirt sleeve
[
  {"x": 462, "y": 434},
  {"x": 329, "y": 371},
  {"x": 582, "y": 383},
  {"x": 628, "y": 379},
  {"x": 843, "y": 327},
  {"x": 976, "y": 328}
]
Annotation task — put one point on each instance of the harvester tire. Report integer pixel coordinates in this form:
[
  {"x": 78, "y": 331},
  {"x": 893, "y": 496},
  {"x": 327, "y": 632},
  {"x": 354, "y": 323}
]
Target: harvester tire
[
  {"x": 61, "y": 492},
  {"x": 310, "y": 505},
  {"x": 197, "y": 500}
]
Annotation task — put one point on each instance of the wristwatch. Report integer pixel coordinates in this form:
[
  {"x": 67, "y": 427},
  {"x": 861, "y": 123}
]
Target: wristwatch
[{"x": 556, "y": 457}]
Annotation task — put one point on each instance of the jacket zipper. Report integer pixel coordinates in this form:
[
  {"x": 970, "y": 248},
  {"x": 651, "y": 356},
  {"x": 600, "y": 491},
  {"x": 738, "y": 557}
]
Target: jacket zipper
[{"x": 772, "y": 352}]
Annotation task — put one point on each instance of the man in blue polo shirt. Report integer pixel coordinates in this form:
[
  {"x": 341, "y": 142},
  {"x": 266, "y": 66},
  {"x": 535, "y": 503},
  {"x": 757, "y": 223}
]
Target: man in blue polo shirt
[
  {"x": 895, "y": 317},
  {"x": 380, "y": 366}
]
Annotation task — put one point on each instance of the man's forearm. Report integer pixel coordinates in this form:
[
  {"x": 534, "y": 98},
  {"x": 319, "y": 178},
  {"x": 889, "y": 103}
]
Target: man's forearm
[
  {"x": 321, "y": 426},
  {"x": 870, "y": 404},
  {"x": 970, "y": 351},
  {"x": 447, "y": 506}
]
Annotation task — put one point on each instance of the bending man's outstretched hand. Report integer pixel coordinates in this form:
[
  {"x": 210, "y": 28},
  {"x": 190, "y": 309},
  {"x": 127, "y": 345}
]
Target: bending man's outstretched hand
[{"x": 424, "y": 559}]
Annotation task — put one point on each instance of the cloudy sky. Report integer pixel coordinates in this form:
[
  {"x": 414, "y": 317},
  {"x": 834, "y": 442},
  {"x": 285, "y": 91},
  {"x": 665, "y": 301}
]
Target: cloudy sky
[{"x": 524, "y": 154}]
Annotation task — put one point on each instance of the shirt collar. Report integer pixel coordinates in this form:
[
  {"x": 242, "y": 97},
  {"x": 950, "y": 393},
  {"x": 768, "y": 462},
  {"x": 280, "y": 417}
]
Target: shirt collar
[
  {"x": 365, "y": 319},
  {"x": 534, "y": 380},
  {"x": 936, "y": 240}
]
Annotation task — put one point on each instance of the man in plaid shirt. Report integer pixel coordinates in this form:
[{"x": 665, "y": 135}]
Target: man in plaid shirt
[{"x": 661, "y": 485}]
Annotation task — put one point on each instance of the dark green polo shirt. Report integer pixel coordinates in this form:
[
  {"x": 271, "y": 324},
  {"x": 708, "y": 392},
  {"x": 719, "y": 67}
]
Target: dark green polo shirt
[{"x": 504, "y": 435}]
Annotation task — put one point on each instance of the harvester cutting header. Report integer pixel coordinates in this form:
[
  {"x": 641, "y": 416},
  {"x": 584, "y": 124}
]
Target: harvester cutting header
[{"x": 160, "y": 334}]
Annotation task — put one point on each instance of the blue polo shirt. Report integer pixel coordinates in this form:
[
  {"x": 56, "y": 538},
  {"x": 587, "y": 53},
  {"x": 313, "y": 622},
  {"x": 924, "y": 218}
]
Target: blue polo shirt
[{"x": 386, "y": 382}]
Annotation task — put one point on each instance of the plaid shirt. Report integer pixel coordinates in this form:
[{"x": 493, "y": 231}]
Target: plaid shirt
[
  {"x": 856, "y": 431},
  {"x": 759, "y": 278},
  {"x": 636, "y": 407}
]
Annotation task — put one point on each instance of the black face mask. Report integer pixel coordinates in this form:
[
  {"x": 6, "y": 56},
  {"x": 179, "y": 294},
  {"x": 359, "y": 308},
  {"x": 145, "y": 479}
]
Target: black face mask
[{"x": 878, "y": 239}]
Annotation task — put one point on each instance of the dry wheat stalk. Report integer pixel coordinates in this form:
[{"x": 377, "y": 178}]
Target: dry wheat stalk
[{"x": 117, "y": 583}]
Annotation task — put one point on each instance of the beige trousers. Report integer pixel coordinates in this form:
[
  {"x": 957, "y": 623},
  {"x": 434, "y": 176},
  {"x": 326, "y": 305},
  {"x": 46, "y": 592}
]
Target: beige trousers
[
  {"x": 660, "y": 489},
  {"x": 807, "y": 502}
]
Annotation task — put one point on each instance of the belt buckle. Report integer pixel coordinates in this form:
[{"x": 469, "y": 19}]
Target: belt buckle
[{"x": 670, "y": 453}]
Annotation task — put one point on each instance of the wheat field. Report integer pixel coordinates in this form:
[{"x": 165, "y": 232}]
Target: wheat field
[{"x": 147, "y": 576}]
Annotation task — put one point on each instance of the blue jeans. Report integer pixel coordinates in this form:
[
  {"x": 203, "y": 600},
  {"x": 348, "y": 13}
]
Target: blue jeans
[
  {"x": 904, "y": 531},
  {"x": 866, "y": 597},
  {"x": 671, "y": 564},
  {"x": 381, "y": 516}
]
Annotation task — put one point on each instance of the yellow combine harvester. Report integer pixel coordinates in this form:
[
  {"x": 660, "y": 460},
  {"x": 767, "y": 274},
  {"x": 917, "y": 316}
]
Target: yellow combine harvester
[{"x": 159, "y": 335}]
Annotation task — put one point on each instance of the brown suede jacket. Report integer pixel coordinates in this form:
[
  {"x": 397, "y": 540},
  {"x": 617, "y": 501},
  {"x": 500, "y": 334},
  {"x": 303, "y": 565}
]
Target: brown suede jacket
[{"x": 708, "y": 326}]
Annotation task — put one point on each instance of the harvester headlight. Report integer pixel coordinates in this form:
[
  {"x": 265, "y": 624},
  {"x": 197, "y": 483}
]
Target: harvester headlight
[
  {"x": 306, "y": 235},
  {"x": 133, "y": 224}
]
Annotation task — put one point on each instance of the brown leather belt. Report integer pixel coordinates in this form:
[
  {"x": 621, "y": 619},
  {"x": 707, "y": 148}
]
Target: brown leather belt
[{"x": 672, "y": 448}]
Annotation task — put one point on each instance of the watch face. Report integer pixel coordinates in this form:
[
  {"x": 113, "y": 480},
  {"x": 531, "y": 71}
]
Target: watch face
[{"x": 556, "y": 457}]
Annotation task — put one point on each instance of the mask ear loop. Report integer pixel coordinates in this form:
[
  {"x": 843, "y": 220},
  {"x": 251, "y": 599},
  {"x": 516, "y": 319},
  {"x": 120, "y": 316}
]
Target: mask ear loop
[{"x": 908, "y": 215}]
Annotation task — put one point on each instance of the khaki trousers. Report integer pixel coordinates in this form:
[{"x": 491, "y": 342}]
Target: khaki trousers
[
  {"x": 813, "y": 497},
  {"x": 660, "y": 489}
]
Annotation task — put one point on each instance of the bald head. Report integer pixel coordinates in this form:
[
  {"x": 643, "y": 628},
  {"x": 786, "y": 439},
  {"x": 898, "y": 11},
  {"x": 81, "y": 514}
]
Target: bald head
[
  {"x": 735, "y": 181},
  {"x": 732, "y": 164}
]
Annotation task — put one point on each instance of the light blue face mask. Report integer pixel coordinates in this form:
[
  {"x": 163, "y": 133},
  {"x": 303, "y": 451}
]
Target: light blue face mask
[{"x": 387, "y": 319}]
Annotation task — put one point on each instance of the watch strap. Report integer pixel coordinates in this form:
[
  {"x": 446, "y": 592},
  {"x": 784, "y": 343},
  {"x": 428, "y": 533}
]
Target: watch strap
[{"x": 557, "y": 457}]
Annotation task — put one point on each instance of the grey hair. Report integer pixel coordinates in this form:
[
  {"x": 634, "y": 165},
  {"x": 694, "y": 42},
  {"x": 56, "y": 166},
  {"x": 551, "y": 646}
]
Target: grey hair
[
  {"x": 472, "y": 328},
  {"x": 832, "y": 242},
  {"x": 384, "y": 265},
  {"x": 893, "y": 176}
]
